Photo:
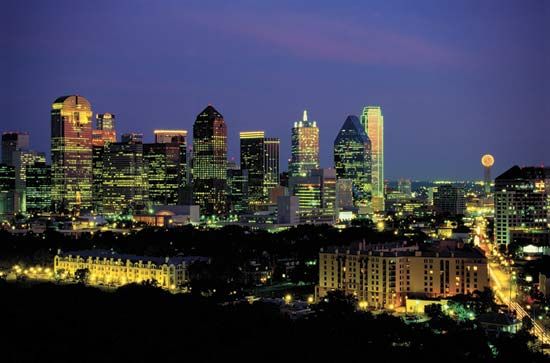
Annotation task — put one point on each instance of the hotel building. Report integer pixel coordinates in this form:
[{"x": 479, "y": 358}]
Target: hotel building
[{"x": 384, "y": 276}]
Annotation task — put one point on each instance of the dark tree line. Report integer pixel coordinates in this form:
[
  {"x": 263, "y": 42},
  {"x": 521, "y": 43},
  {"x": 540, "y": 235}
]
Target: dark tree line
[{"x": 145, "y": 324}]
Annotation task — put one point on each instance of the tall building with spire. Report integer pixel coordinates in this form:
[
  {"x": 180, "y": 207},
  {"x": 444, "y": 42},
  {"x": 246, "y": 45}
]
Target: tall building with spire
[
  {"x": 210, "y": 162},
  {"x": 373, "y": 122},
  {"x": 71, "y": 147},
  {"x": 352, "y": 160},
  {"x": 305, "y": 147}
]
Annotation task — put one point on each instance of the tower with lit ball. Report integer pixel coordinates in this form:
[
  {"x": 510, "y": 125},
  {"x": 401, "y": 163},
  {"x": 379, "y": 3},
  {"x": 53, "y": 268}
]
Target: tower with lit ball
[{"x": 487, "y": 161}]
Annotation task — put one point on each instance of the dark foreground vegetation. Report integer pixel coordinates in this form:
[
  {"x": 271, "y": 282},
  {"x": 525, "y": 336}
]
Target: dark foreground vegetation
[{"x": 74, "y": 323}]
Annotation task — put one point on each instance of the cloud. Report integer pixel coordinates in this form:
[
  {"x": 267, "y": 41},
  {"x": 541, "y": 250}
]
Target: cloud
[{"x": 321, "y": 38}]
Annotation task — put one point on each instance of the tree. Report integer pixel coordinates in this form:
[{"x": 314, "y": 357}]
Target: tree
[
  {"x": 337, "y": 303},
  {"x": 526, "y": 323},
  {"x": 82, "y": 275}
]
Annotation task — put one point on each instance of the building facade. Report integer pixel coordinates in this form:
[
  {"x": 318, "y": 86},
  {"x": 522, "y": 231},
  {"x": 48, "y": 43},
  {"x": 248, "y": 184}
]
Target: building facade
[
  {"x": 124, "y": 178},
  {"x": 108, "y": 268},
  {"x": 210, "y": 162},
  {"x": 449, "y": 199},
  {"x": 522, "y": 206},
  {"x": 71, "y": 151},
  {"x": 384, "y": 276},
  {"x": 38, "y": 187},
  {"x": 260, "y": 157},
  {"x": 352, "y": 160},
  {"x": 12, "y": 142},
  {"x": 305, "y": 147},
  {"x": 373, "y": 122}
]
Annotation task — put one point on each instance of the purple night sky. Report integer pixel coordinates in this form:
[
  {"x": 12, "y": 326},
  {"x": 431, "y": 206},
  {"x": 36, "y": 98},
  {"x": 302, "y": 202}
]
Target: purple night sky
[{"x": 455, "y": 79}]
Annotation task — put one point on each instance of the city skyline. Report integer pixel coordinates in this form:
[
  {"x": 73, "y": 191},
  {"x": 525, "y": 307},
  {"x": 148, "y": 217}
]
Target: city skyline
[{"x": 465, "y": 81}]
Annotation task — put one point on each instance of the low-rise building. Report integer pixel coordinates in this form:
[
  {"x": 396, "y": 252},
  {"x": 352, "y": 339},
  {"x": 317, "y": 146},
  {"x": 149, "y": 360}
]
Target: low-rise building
[
  {"x": 109, "y": 268},
  {"x": 382, "y": 276}
]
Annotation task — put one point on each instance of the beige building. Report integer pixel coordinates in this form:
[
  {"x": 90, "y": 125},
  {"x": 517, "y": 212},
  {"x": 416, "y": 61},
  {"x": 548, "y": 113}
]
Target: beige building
[
  {"x": 383, "y": 276},
  {"x": 108, "y": 268}
]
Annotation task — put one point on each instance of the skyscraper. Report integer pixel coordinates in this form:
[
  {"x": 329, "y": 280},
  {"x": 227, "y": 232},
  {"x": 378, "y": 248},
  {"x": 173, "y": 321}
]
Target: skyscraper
[
  {"x": 252, "y": 160},
  {"x": 449, "y": 199},
  {"x": 102, "y": 135},
  {"x": 124, "y": 186},
  {"x": 179, "y": 139},
  {"x": 170, "y": 136},
  {"x": 522, "y": 206},
  {"x": 373, "y": 121},
  {"x": 12, "y": 142},
  {"x": 71, "y": 137},
  {"x": 38, "y": 187},
  {"x": 316, "y": 194},
  {"x": 210, "y": 162},
  {"x": 105, "y": 129},
  {"x": 305, "y": 147},
  {"x": 352, "y": 160},
  {"x": 271, "y": 164},
  {"x": 260, "y": 157},
  {"x": 163, "y": 164}
]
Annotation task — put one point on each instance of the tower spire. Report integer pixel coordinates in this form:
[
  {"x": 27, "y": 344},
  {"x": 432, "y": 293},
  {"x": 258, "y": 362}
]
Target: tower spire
[{"x": 305, "y": 115}]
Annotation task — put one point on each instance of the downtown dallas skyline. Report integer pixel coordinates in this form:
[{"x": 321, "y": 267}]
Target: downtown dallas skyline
[{"x": 282, "y": 131}]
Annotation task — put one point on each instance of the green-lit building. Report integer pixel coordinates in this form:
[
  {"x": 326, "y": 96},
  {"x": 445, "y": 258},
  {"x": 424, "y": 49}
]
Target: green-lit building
[
  {"x": 163, "y": 166},
  {"x": 125, "y": 187},
  {"x": 7, "y": 190},
  {"x": 71, "y": 148},
  {"x": 38, "y": 187},
  {"x": 237, "y": 190},
  {"x": 352, "y": 160},
  {"x": 210, "y": 163}
]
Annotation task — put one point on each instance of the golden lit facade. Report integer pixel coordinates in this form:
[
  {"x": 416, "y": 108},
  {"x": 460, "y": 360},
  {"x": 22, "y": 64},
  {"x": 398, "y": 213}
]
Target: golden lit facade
[
  {"x": 383, "y": 277},
  {"x": 106, "y": 268},
  {"x": 210, "y": 162},
  {"x": 71, "y": 138},
  {"x": 373, "y": 121},
  {"x": 305, "y": 147},
  {"x": 170, "y": 136}
]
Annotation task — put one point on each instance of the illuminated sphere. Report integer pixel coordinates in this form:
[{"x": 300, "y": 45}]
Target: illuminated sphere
[{"x": 487, "y": 160}]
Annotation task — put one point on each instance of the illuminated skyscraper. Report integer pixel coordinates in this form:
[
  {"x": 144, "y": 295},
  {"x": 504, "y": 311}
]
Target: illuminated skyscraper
[
  {"x": 316, "y": 194},
  {"x": 12, "y": 142},
  {"x": 210, "y": 162},
  {"x": 522, "y": 206},
  {"x": 163, "y": 160},
  {"x": 271, "y": 164},
  {"x": 373, "y": 121},
  {"x": 449, "y": 199},
  {"x": 38, "y": 187},
  {"x": 252, "y": 160},
  {"x": 7, "y": 190},
  {"x": 305, "y": 147},
  {"x": 352, "y": 160},
  {"x": 178, "y": 138},
  {"x": 71, "y": 137},
  {"x": 260, "y": 157},
  {"x": 170, "y": 136},
  {"x": 22, "y": 159},
  {"x": 105, "y": 129},
  {"x": 124, "y": 188}
]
